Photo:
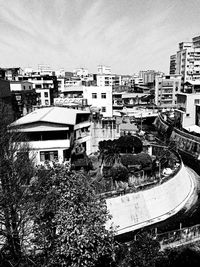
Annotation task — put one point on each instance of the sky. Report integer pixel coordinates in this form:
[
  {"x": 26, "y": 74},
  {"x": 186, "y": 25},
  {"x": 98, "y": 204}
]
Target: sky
[{"x": 128, "y": 35}]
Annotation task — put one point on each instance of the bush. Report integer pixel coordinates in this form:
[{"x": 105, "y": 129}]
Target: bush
[
  {"x": 142, "y": 159},
  {"x": 119, "y": 172}
]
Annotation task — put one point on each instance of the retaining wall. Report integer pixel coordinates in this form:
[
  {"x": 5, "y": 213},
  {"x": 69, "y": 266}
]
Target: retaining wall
[{"x": 136, "y": 210}]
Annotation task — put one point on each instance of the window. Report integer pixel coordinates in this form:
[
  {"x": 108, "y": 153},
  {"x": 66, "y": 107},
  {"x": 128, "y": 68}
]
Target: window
[
  {"x": 24, "y": 87},
  {"x": 46, "y": 102},
  {"x": 46, "y": 94},
  {"x": 48, "y": 155},
  {"x": 103, "y": 95},
  {"x": 94, "y": 95},
  {"x": 103, "y": 109}
]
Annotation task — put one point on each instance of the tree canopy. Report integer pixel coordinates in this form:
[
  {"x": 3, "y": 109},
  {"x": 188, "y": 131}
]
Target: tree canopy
[
  {"x": 70, "y": 225},
  {"x": 125, "y": 144},
  {"x": 16, "y": 170}
]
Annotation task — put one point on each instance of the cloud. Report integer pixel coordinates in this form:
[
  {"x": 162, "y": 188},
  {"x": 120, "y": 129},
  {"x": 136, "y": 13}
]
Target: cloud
[{"x": 128, "y": 35}]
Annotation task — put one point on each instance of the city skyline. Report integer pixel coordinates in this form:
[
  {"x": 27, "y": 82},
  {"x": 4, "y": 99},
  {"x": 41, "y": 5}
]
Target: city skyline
[{"x": 127, "y": 35}]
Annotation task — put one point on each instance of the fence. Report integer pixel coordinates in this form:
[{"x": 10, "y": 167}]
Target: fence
[{"x": 179, "y": 237}]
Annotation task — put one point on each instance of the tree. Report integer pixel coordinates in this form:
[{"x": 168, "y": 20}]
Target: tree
[
  {"x": 70, "y": 220},
  {"x": 143, "y": 252},
  {"x": 16, "y": 170},
  {"x": 182, "y": 256},
  {"x": 119, "y": 172},
  {"x": 129, "y": 144},
  {"x": 142, "y": 159}
]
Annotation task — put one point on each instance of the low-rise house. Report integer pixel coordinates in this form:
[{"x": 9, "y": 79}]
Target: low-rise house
[{"x": 52, "y": 132}]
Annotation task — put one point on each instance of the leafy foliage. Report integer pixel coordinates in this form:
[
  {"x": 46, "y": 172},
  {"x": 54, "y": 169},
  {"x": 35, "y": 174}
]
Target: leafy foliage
[
  {"x": 142, "y": 159},
  {"x": 129, "y": 143},
  {"x": 119, "y": 172},
  {"x": 70, "y": 221},
  {"x": 16, "y": 171},
  {"x": 144, "y": 252},
  {"x": 125, "y": 144}
]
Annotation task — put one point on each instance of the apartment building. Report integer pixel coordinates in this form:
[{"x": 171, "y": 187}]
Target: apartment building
[
  {"x": 166, "y": 89},
  {"x": 45, "y": 69},
  {"x": 138, "y": 79},
  {"x": 53, "y": 131},
  {"x": 24, "y": 97},
  {"x": 148, "y": 76},
  {"x": 12, "y": 73},
  {"x": 45, "y": 86},
  {"x": 172, "y": 67},
  {"x": 108, "y": 80},
  {"x": 188, "y": 110},
  {"x": 99, "y": 97},
  {"x": 188, "y": 60}
]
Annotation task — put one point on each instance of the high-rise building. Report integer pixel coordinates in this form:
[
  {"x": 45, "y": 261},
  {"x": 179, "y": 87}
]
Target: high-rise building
[
  {"x": 172, "y": 67},
  {"x": 188, "y": 60}
]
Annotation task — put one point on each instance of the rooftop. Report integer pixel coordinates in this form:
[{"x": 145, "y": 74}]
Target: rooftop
[
  {"x": 59, "y": 115},
  {"x": 196, "y": 82}
]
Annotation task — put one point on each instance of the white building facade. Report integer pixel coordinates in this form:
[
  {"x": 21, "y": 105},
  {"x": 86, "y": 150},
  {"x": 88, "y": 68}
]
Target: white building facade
[
  {"x": 188, "y": 106},
  {"x": 100, "y": 97},
  {"x": 166, "y": 88},
  {"x": 108, "y": 80},
  {"x": 52, "y": 131},
  {"x": 188, "y": 60},
  {"x": 102, "y": 69},
  {"x": 20, "y": 86}
]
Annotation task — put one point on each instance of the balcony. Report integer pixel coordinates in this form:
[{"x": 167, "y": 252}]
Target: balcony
[{"x": 167, "y": 92}]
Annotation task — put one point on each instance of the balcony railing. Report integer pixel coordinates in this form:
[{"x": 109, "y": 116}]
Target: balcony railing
[{"x": 47, "y": 144}]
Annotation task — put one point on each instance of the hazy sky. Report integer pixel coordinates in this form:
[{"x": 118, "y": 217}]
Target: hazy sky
[{"x": 128, "y": 35}]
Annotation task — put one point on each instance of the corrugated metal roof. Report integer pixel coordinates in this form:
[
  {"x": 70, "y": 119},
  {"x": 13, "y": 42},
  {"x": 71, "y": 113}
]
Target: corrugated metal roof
[{"x": 59, "y": 115}]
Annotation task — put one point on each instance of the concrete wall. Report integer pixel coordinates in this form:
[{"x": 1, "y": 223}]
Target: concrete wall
[
  {"x": 99, "y": 101},
  {"x": 136, "y": 210},
  {"x": 100, "y": 134}
]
